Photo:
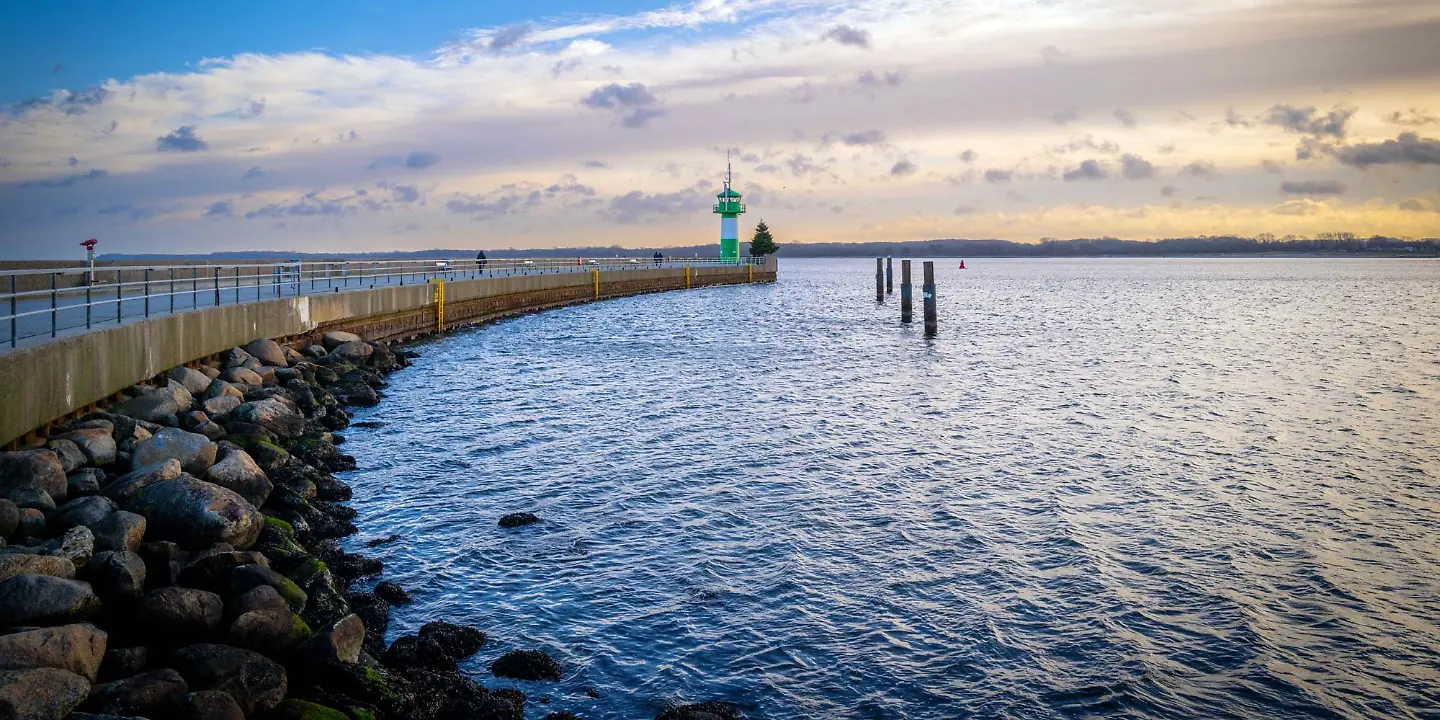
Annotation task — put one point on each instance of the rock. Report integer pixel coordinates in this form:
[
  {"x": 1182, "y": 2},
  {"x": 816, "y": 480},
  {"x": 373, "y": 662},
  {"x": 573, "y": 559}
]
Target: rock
[
  {"x": 271, "y": 631},
  {"x": 180, "y": 613},
  {"x": 76, "y": 545},
  {"x": 13, "y": 563},
  {"x": 94, "y": 423},
  {"x": 376, "y": 615},
  {"x": 234, "y": 357},
  {"x": 124, "y": 662},
  {"x": 128, "y": 485},
  {"x": 162, "y": 562},
  {"x": 195, "y": 452},
  {"x": 314, "y": 351},
  {"x": 253, "y": 365},
  {"x": 39, "y": 469},
  {"x": 115, "y": 575},
  {"x": 68, "y": 452},
  {"x": 355, "y": 352},
  {"x": 293, "y": 709},
  {"x": 32, "y": 522},
  {"x": 81, "y": 511},
  {"x": 274, "y": 415},
  {"x": 97, "y": 444},
  {"x": 562, "y": 715},
  {"x": 341, "y": 642},
  {"x": 219, "y": 408},
  {"x": 120, "y": 530},
  {"x": 148, "y": 693},
  {"x": 85, "y": 481},
  {"x": 710, "y": 710},
  {"x": 193, "y": 419},
  {"x": 242, "y": 376},
  {"x": 77, "y": 648},
  {"x": 441, "y": 645},
  {"x": 260, "y": 597},
  {"x": 518, "y": 519},
  {"x": 9, "y": 518},
  {"x": 45, "y": 600},
  {"x": 336, "y": 338},
  {"x": 526, "y": 665},
  {"x": 196, "y": 514},
  {"x": 29, "y": 497},
  {"x": 237, "y": 471},
  {"x": 208, "y": 705},
  {"x": 392, "y": 593},
  {"x": 155, "y": 407},
  {"x": 255, "y": 682},
  {"x": 268, "y": 352},
  {"x": 212, "y": 571},
  {"x": 40, "y": 693},
  {"x": 221, "y": 388},
  {"x": 192, "y": 380},
  {"x": 245, "y": 578}
]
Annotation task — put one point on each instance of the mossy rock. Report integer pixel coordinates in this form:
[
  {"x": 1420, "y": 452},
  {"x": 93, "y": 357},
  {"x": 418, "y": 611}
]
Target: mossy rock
[
  {"x": 293, "y": 709},
  {"x": 359, "y": 714},
  {"x": 280, "y": 526},
  {"x": 294, "y": 597}
]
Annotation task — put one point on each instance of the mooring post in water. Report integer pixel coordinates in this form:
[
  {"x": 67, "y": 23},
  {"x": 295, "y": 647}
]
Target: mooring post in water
[
  {"x": 879, "y": 280},
  {"x": 889, "y": 276},
  {"x": 928, "y": 292},
  {"x": 905, "y": 311}
]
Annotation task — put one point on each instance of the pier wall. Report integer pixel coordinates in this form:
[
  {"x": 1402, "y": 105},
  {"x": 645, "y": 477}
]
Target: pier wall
[{"x": 49, "y": 382}]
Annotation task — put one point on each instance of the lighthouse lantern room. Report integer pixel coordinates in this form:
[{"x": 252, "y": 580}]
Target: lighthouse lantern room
[{"x": 729, "y": 208}]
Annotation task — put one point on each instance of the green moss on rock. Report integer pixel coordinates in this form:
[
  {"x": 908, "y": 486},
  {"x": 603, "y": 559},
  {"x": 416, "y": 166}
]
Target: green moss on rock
[{"x": 294, "y": 709}]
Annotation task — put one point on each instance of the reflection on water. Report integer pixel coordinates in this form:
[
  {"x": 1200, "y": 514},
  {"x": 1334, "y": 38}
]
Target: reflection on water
[{"x": 1136, "y": 488}]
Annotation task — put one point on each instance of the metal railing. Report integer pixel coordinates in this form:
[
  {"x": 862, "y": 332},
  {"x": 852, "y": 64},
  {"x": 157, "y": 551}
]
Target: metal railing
[{"x": 45, "y": 303}]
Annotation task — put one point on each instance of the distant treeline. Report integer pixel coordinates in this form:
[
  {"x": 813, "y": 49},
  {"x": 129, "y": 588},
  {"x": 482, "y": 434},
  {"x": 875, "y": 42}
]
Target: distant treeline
[{"x": 1083, "y": 247}]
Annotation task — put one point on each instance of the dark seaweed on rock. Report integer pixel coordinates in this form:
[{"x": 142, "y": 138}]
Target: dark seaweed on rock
[{"x": 175, "y": 556}]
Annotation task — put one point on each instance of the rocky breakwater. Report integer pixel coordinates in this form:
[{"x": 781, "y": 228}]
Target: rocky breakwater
[{"x": 175, "y": 557}]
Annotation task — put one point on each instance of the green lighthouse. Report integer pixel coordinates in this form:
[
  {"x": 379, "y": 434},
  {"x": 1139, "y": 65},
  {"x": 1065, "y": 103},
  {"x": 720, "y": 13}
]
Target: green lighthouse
[{"x": 729, "y": 208}]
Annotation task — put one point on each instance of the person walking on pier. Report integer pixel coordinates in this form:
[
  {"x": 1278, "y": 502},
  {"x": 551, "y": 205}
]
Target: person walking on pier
[
  {"x": 480, "y": 260},
  {"x": 659, "y": 258}
]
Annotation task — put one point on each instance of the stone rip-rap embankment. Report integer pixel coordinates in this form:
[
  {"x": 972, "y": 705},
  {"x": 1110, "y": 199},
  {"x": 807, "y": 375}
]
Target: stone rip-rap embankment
[{"x": 175, "y": 557}]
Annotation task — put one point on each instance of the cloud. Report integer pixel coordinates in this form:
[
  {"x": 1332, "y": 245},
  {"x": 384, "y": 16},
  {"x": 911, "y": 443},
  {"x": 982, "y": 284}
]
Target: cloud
[
  {"x": 847, "y": 35},
  {"x": 219, "y": 209},
  {"x": 65, "y": 182},
  {"x": 1125, "y": 117},
  {"x": 73, "y": 161},
  {"x": 902, "y": 168},
  {"x": 1305, "y": 121},
  {"x": 419, "y": 160},
  {"x": 863, "y": 137},
  {"x": 635, "y": 103},
  {"x": 1274, "y": 167},
  {"x": 1414, "y": 117},
  {"x": 1086, "y": 143},
  {"x": 57, "y": 67},
  {"x": 1406, "y": 149},
  {"x": 1417, "y": 205},
  {"x": 637, "y": 206},
  {"x": 1313, "y": 187},
  {"x": 308, "y": 205},
  {"x": 1064, "y": 117},
  {"x": 996, "y": 176},
  {"x": 967, "y": 209},
  {"x": 1051, "y": 55},
  {"x": 889, "y": 79},
  {"x": 1301, "y": 207},
  {"x": 1199, "y": 169},
  {"x": 1234, "y": 119},
  {"x": 595, "y": 165},
  {"x": 404, "y": 193},
  {"x": 1169, "y": 191},
  {"x": 183, "y": 139},
  {"x": 1134, "y": 167},
  {"x": 510, "y": 36},
  {"x": 254, "y": 109},
  {"x": 1087, "y": 170},
  {"x": 969, "y": 156}
]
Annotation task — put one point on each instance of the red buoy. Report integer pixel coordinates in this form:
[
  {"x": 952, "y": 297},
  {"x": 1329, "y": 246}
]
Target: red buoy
[{"x": 962, "y": 264}]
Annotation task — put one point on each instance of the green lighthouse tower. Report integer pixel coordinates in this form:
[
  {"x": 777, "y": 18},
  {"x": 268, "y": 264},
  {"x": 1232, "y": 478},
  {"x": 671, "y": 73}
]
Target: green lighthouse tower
[{"x": 729, "y": 208}]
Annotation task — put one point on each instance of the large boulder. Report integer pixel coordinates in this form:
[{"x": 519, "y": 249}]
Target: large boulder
[
  {"x": 40, "y": 693},
  {"x": 69, "y": 453},
  {"x": 81, "y": 511},
  {"x": 341, "y": 642},
  {"x": 254, "y": 681},
  {"x": 526, "y": 665},
  {"x": 40, "y": 469},
  {"x": 237, "y": 471},
  {"x": 245, "y": 578},
  {"x": 45, "y": 600},
  {"x": 158, "y": 405},
  {"x": 78, "y": 648},
  {"x": 123, "y": 662},
  {"x": 180, "y": 613},
  {"x": 115, "y": 575},
  {"x": 219, "y": 408},
  {"x": 220, "y": 388},
  {"x": 268, "y": 352},
  {"x": 336, "y": 338},
  {"x": 274, "y": 414},
  {"x": 270, "y": 630},
  {"x": 212, "y": 571},
  {"x": 195, "y": 452},
  {"x": 14, "y": 563},
  {"x": 85, "y": 481},
  {"x": 234, "y": 357},
  {"x": 147, "y": 694},
  {"x": 194, "y": 381},
  {"x": 196, "y": 514},
  {"x": 9, "y": 518},
  {"x": 128, "y": 485},
  {"x": 76, "y": 545},
  {"x": 29, "y": 497},
  {"x": 208, "y": 705},
  {"x": 354, "y": 352},
  {"x": 120, "y": 530},
  {"x": 242, "y": 376},
  {"x": 97, "y": 444}
]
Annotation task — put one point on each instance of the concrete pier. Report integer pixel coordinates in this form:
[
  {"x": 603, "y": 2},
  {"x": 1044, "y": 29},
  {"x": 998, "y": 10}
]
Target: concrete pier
[{"x": 44, "y": 384}]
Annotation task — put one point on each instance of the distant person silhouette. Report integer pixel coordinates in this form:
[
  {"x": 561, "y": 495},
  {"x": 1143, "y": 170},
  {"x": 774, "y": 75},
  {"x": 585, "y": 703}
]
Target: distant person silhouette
[
  {"x": 659, "y": 258},
  {"x": 480, "y": 259}
]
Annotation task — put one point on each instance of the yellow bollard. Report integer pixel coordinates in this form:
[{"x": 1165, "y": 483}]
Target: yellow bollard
[
  {"x": 687, "y": 277},
  {"x": 752, "y": 273},
  {"x": 439, "y": 304},
  {"x": 597, "y": 284}
]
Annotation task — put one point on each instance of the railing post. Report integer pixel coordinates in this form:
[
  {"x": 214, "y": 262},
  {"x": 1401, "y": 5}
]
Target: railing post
[
  {"x": 194, "y": 288},
  {"x": 88, "y": 283},
  {"x": 147, "y": 292},
  {"x": 53, "y": 297},
  {"x": 119, "y": 296},
  {"x": 217, "y": 287},
  {"x": 172, "y": 289},
  {"x": 14, "y": 321}
]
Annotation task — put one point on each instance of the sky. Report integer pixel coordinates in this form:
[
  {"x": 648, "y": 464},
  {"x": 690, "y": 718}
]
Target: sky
[{"x": 362, "y": 126}]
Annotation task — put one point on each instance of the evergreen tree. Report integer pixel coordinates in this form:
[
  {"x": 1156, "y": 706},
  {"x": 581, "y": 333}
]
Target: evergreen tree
[{"x": 763, "y": 243}]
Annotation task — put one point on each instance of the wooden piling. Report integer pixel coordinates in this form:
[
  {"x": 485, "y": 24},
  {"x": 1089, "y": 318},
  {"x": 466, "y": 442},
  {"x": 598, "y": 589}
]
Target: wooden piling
[
  {"x": 879, "y": 280},
  {"x": 928, "y": 292},
  {"x": 905, "y": 310},
  {"x": 889, "y": 277}
]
